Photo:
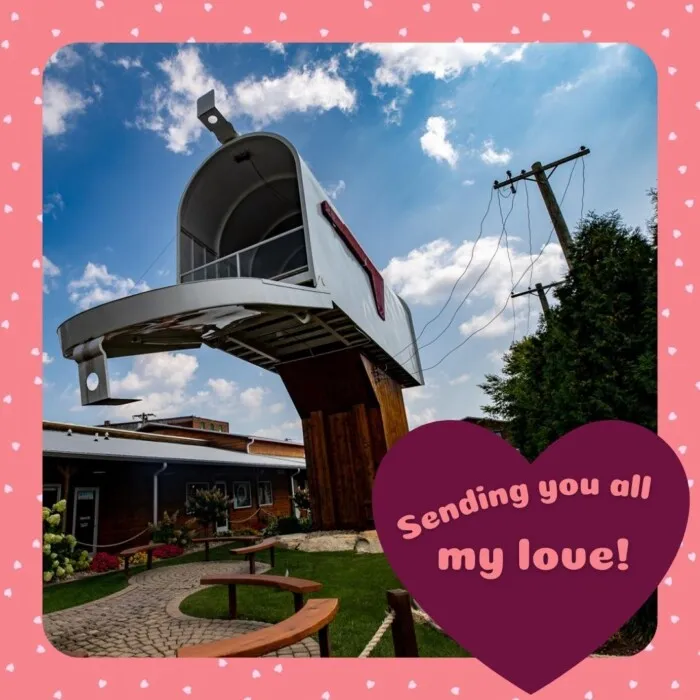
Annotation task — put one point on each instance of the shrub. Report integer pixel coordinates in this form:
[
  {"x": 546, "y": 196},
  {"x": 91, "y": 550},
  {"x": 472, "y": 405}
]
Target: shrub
[
  {"x": 272, "y": 528},
  {"x": 167, "y": 551},
  {"x": 60, "y": 558},
  {"x": 102, "y": 562},
  {"x": 170, "y": 531},
  {"x": 209, "y": 506},
  {"x": 289, "y": 525},
  {"x": 302, "y": 500},
  {"x": 138, "y": 559},
  {"x": 246, "y": 531}
]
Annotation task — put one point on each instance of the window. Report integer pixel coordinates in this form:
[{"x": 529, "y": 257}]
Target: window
[
  {"x": 241, "y": 494},
  {"x": 190, "y": 489},
  {"x": 265, "y": 493},
  {"x": 51, "y": 495}
]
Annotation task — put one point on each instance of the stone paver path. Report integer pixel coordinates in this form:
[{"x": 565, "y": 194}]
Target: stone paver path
[{"x": 144, "y": 619}]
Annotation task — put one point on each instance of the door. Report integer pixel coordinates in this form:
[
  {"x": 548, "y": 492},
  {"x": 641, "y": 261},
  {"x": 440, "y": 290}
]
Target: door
[
  {"x": 51, "y": 495},
  {"x": 85, "y": 514},
  {"x": 222, "y": 525}
]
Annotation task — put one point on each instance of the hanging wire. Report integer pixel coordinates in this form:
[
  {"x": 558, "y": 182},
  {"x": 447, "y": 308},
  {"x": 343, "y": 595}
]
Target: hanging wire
[
  {"x": 459, "y": 279},
  {"x": 466, "y": 297},
  {"x": 148, "y": 269},
  {"x": 532, "y": 270},
  {"x": 505, "y": 306},
  {"x": 510, "y": 264}
]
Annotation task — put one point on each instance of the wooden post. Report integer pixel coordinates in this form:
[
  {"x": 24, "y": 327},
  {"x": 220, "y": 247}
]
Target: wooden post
[
  {"x": 272, "y": 556},
  {"x": 352, "y": 413},
  {"x": 206, "y": 550},
  {"x": 543, "y": 298},
  {"x": 251, "y": 563},
  {"x": 298, "y": 602},
  {"x": 324, "y": 642},
  {"x": 403, "y": 630},
  {"x": 149, "y": 559},
  {"x": 232, "y": 602}
]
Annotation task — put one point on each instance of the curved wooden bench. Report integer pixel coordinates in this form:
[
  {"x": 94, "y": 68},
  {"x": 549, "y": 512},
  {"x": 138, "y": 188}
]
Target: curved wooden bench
[
  {"x": 315, "y": 616},
  {"x": 252, "y": 550},
  {"x": 128, "y": 553},
  {"x": 297, "y": 586},
  {"x": 231, "y": 538}
]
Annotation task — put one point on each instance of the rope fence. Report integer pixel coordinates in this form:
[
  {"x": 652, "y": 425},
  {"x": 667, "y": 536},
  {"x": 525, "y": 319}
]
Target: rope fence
[
  {"x": 402, "y": 614},
  {"x": 115, "y": 544}
]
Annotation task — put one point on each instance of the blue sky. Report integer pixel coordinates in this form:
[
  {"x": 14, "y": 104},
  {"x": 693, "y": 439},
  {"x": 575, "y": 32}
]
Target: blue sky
[{"x": 407, "y": 139}]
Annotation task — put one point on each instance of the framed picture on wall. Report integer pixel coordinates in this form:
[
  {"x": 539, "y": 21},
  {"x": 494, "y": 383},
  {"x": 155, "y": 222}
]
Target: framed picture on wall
[{"x": 241, "y": 494}]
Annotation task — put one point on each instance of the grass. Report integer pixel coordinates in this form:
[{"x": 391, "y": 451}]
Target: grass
[
  {"x": 359, "y": 581},
  {"x": 85, "y": 590}
]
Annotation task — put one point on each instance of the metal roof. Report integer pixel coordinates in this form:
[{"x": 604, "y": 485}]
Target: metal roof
[{"x": 61, "y": 444}]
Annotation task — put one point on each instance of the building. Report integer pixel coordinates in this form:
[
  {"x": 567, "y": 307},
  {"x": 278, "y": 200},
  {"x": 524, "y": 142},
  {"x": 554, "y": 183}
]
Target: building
[
  {"x": 116, "y": 482},
  {"x": 181, "y": 421},
  {"x": 199, "y": 428},
  {"x": 500, "y": 427}
]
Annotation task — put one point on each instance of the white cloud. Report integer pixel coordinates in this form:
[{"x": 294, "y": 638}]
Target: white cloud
[
  {"x": 427, "y": 274},
  {"x": 170, "y": 109},
  {"x": 306, "y": 89},
  {"x": 275, "y": 47},
  {"x": 495, "y": 357},
  {"x": 98, "y": 286},
  {"x": 289, "y": 429},
  {"x": 610, "y": 61},
  {"x": 491, "y": 156},
  {"x": 97, "y": 49},
  {"x": 223, "y": 388},
  {"x": 64, "y": 58},
  {"x": 277, "y": 407},
  {"x": 434, "y": 141},
  {"x": 46, "y": 358},
  {"x": 468, "y": 183},
  {"x": 427, "y": 415},
  {"x": 161, "y": 381},
  {"x": 253, "y": 397},
  {"x": 128, "y": 63},
  {"x": 462, "y": 379},
  {"x": 400, "y": 62},
  {"x": 54, "y": 202},
  {"x": 336, "y": 189},
  {"x": 60, "y": 104},
  {"x": 516, "y": 55},
  {"x": 50, "y": 271}
]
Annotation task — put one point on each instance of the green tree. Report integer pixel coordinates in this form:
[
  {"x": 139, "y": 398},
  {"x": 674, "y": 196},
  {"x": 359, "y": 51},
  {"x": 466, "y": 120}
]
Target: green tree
[{"x": 595, "y": 357}]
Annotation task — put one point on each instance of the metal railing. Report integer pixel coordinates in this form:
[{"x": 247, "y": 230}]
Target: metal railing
[{"x": 278, "y": 252}]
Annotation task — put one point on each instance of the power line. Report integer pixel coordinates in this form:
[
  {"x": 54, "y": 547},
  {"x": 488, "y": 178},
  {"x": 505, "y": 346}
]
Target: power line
[
  {"x": 510, "y": 264},
  {"x": 148, "y": 269},
  {"x": 532, "y": 270},
  {"x": 459, "y": 279},
  {"x": 505, "y": 306},
  {"x": 484, "y": 271}
]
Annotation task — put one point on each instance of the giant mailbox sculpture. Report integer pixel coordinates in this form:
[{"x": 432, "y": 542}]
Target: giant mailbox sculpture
[{"x": 268, "y": 272}]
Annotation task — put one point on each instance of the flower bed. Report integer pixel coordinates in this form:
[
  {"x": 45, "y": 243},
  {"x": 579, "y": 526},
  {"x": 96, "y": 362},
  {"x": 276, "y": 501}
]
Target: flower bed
[{"x": 60, "y": 557}]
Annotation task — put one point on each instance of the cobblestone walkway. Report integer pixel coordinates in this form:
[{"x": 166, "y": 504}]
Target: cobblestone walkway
[{"x": 144, "y": 619}]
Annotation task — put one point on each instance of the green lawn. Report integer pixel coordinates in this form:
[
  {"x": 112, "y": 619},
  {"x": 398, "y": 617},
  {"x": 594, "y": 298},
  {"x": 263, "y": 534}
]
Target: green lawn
[{"x": 359, "y": 581}]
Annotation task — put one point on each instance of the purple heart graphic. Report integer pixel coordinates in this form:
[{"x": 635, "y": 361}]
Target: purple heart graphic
[{"x": 572, "y": 569}]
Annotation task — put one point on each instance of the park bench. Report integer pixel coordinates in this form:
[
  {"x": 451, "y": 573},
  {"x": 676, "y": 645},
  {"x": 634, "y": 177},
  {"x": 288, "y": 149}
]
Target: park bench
[
  {"x": 232, "y": 538},
  {"x": 128, "y": 553},
  {"x": 297, "y": 586},
  {"x": 314, "y": 617},
  {"x": 252, "y": 550}
]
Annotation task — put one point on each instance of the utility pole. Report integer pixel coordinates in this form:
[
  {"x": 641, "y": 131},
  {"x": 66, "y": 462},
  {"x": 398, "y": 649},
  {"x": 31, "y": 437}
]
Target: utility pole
[
  {"x": 538, "y": 174},
  {"x": 144, "y": 417},
  {"x": 540, "y": 290}
]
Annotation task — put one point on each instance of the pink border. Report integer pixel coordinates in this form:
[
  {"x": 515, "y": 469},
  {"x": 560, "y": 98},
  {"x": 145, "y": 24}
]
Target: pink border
[{"x": 667, "y": 31}]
